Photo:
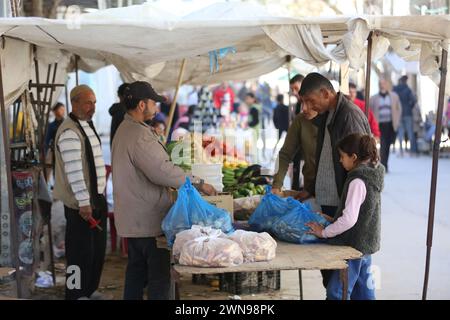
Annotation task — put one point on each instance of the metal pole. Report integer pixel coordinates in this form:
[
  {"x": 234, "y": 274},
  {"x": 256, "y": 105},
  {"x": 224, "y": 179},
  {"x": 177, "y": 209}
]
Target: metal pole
[
  {"x": 291, "y": 109},
  {"x": 174, "y": 101},
  {"x": 300, "y": 283},
  {"x": 368, "y": 73},
  {"x": 76, "y": 70},
  {"x": 7, "y": 151},
  {"x": 434, "y": 172},
  {"x": 66, "y": 92}
]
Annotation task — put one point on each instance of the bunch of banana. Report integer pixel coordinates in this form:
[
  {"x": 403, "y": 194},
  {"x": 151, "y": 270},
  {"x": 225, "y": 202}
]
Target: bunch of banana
[
  {"x": 235, "y": 164},
  {"x": 243, "y": 181},
  {"x": 229, "y": 178}
]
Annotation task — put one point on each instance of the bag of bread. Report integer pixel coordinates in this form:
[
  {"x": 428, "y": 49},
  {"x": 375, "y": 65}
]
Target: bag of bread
[
  {"x": 211, "y": 252},
  {"x": 255, "y": 246},
  {"x": 195, "y": 232}
]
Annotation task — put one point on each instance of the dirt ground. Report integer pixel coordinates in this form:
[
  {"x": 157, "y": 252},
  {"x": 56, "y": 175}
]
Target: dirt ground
[{"x": 114, "y": 275}]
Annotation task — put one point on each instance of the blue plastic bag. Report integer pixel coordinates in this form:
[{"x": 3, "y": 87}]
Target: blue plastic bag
[
  {"x": 191, "y": 209},
  {"x": 270, "y": 209},
  {"x": 291, "y": 226}
]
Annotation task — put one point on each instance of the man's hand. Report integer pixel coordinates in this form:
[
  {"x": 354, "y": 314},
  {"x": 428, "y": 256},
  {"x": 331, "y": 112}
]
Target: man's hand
[
  {"x": 86, "y": 212},
  {"x": 316, "y": 229},
  {"x": 277, "y": 191},
  {"x": 207, "y": 189},
  {"x": 303, "y": 195}
]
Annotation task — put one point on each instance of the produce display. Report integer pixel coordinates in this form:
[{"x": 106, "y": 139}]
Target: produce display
[
  {"x": 211, "y": 252},
  {"x": 255, "y": 246},
  {"x": 243, "y": 181}
]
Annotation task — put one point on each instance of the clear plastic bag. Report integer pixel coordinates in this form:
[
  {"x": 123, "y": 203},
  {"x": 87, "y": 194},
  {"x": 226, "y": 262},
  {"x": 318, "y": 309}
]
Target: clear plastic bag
[
  {"x": 255, "y": 246},
  {"x": 191, "y": 234},
  {"x": 211, "y": 252}
]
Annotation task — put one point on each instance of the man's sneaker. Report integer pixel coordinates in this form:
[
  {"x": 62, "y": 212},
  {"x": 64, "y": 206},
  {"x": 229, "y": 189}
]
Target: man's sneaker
[{"x": 100, "y": 296}]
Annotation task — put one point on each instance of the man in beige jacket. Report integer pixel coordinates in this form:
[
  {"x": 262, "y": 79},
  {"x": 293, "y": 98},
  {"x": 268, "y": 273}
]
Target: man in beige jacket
[
  {"x": 387, "y": 109},
  {"x": 142, "y": 175}
]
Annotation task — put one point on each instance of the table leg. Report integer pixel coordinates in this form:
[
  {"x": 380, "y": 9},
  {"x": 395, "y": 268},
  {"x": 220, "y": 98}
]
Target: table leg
[
  {"x": 174, "y": 281},
  {"x": 344, "y": 279},
  {"x": 300, "y": 283}
]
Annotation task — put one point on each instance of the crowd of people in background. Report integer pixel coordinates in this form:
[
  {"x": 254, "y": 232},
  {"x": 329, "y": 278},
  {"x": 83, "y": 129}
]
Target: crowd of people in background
[{"x": 394, "y": 114}]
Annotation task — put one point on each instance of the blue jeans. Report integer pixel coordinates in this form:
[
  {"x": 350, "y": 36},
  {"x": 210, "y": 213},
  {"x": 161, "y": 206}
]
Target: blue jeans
[
  {"x": 148, "y": 266},
  {"x": 407, "y": 124},
  {"x": 360, "y": 282}
]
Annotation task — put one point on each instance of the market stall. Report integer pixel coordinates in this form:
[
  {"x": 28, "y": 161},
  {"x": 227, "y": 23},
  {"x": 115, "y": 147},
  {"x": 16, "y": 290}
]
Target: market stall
[
  {"x": 232, "y": 41},
  {"x": 292, "y": 257}
]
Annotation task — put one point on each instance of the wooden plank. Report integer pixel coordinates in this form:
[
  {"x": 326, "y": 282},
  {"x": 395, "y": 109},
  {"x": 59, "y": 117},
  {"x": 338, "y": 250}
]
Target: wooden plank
[
  {"x": 290, "y": 257},
  {"x": 6, "y": 272}
]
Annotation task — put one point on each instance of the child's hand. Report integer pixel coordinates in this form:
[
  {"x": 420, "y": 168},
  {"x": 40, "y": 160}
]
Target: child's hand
[
  {"x": 316, "y": 229},
  {"x": 327, "y": 217}
]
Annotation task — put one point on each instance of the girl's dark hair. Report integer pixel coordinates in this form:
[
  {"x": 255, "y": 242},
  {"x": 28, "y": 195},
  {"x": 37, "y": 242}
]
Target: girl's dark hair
[{"x": 364, "y": 146}]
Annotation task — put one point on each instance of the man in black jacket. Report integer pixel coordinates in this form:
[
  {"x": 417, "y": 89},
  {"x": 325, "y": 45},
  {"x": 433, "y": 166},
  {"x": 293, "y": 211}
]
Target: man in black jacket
[
  {"x": 294, "y": 85},
  {"x": 117, "y": 112},
  {"x": 281, "y": 116}
]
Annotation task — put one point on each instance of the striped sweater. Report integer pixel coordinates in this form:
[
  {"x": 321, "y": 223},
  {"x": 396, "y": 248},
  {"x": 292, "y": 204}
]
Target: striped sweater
[{"x": 70, "y": 147}]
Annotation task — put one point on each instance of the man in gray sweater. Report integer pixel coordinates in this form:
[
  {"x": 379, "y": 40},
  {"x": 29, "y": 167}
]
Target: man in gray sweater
[{"x": 339, "y": 118}]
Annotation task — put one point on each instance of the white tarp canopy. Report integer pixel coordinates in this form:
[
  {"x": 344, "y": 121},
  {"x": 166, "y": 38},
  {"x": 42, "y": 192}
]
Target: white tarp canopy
[{"x": 144, "y": 42}]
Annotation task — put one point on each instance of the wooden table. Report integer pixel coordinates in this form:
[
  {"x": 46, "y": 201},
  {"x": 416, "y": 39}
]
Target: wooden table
[{"x": 293, "y": 257}]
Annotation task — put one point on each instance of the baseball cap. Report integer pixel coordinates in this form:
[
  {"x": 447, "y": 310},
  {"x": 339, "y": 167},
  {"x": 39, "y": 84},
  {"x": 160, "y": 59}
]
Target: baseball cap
[{"x": 140, "y": 90}]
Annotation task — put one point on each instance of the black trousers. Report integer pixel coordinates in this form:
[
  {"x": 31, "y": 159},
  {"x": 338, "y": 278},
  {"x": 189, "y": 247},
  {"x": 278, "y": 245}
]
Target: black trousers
[
  {"x": 326, "y": 274},
  {"x": 387, "y": 136},
  {"x": 148, "y": 266},
  {"x": 296, "y": 171},
  {"x": 85, "y": 249}
]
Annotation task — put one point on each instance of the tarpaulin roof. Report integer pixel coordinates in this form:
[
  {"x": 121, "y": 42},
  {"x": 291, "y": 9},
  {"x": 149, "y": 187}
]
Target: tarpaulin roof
[{"x": 145, "y": 42}]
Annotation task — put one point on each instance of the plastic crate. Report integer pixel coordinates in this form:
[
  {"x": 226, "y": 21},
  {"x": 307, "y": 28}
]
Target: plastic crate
[
  {"x": 242, "y": 282},
  {"x": 250, "y": 282}
]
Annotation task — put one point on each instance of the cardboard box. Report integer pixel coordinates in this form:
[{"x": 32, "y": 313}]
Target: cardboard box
[
  {"x": 223, "y": 201},
  {"x": 290, "y": 193}
]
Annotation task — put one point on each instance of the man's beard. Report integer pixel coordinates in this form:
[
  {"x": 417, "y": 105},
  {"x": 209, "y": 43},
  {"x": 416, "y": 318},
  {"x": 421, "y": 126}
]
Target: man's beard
[{"x": 149, "y": 113}]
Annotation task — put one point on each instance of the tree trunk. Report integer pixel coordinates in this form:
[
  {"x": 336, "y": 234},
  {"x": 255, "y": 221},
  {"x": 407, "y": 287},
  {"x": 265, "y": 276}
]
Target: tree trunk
[
  {"x": 37, "y": 8},
  {"x": 51, "y": 14}
]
